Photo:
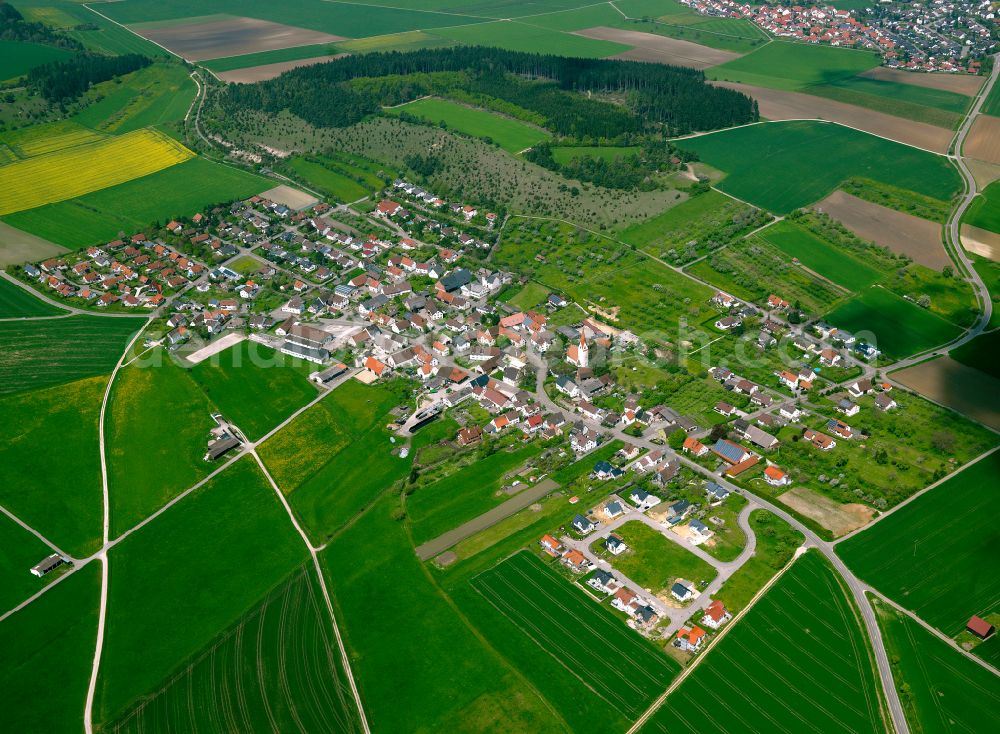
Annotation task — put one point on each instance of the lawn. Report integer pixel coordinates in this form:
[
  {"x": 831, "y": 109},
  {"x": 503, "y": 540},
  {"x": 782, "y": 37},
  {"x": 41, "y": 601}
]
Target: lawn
[
  {"x": 16, "y": 301},
  {"x": 53, "y": 639},
  {"x": 19, "y": 551},
  {"x": 776, "y": 544},
  {"x": 278, "y": 664},
  {"x": 532, "y": 295},
  {"x": 654, "y": 561},
  {"x": 255, "y": 386},
  {"x": 801, "y": 649},
  {"x": 445, "y": 504},
  {"x": 984, "y": 212},
  {"x": 182, "y": 580},
  {"x": 74, "y": 172},
  {"x": 157, "y": 434},
  {"x": 980, "y": 353},
  {"x": 608, "y": 659},
  {"x": 821, "y": 256},
  {"x": 512, "y": 135},
  {"x": 19, "y": 57},
  {"x": 38, "y": 354},
  {"x": 896, "y": 326},
  {"x": 454, "y": 680},
  {"x": 518, "y": 36},
  {"x": 938, "y": 564},
  {"x": 181, "y": 190},
  {"x": 941, "y": 691},
  {"x": 794, "y": 66},
  {"x": 782, "y": 166}
]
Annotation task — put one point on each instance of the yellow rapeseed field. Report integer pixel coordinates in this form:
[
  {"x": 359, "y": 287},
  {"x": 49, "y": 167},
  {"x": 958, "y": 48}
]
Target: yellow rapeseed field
[{"x": 76, "y": 171}]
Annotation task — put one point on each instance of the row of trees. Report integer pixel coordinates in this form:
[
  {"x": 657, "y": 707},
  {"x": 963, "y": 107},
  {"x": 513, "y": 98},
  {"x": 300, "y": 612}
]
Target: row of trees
[
  {"x": 64, "y": 81},
  {"x": 13, "y": 27}
]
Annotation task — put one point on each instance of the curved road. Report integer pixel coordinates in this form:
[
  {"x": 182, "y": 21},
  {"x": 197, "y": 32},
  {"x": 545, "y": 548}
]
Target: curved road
[{"x": 70, "y": 310}]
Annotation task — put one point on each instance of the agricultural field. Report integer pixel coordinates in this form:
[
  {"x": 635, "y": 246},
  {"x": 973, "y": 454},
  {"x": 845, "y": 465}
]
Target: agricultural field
[
  {"x": 95, "y": 32},
  {"x": 61, "y": 499},
  {"x": 53, "y": 639},
  {"x": 795, "y": 66},
  {"x": 654, "y": 561},
  {"x": 980, "y": 353},
  {"x": 180, "y": 190},
  {"x": 817, "y": 676},
  {"x": 38, "y": 354},
  {"x": 278, "y": 664},
  {"x": 16, "y": 302},
  {"x": 512, "y": 135},
  {"x": 518, "y": 36},
  {"x": 152, "y": 460},
  {"x": 156, "y": 95},
  {"x": 255, "y": 386},
  {"x": 85, "y": 168},
  {"x": 899, "y": 328},
  {"x": 336, "y": 177},
  {"x": 908, "y": 101},
  {"x": 941, "y": 691},
  {"x": 404, "y": 41},
  {"x": 607, "y": 657},
  {"x": 938, "y": 566},
  {"x": 669, "y": 18},
  {"x": 782, "y": 166},
  {"x": 167, "y": 596},
  {"x": 261, "y": 58},
  {"x": 984, "y": 212},
  {"x": 48, "y": 137},
  {"x": 17, "y": 58},
  {"x": 947, "y": 382},
  {"x": 776, "y": 544},
  {"x": 19, "y": 551}
]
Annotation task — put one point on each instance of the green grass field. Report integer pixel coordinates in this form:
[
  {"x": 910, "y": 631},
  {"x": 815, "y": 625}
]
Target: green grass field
[
  {"x": 255, "y": 386},
  {"x": 182, "y": 580},
  {"x": 899, "y": 328},
  {"x": 180, "y": 190},
  {"x": 937, "y": 562},
  {"x": 607, "y": 658},
  {"x": 15, "y": 302},
  {"x": 61, "y": 498},
  {"x": 157, "y": 434},
  {"x": 984, "y": 212},
  {"x": 776, "y": 544},
  {"x": 229, "y": 63},
  {"x": 782, "y": 166},
  {"x": 940, "y": 690},
  {"x": 564, "y": 154},
  {"x": 980, "y": 353},
  {"x": 404, "y": 41},
  {"x": 654, "y": 561},
  {"x": 278, "y": 664},
  {"x": 821, "y": 256},
  {"x": 53, "y": 639},
  {"x": 799, "y": 661},
  {"x": 520, "y": 36},
  {"x": 923, "y": 104},
  {"x": 793, "y": 66},
  {"x": 37, "y": 354},
  {"x": 19, "y": 551},
  {"x": 19, "y": 57},
  {"x": 342, "y": 177},
  {"x": 530, "y": 296},
  {"x": 510, "y": 134},
  {"x": 155, "y": 95}
]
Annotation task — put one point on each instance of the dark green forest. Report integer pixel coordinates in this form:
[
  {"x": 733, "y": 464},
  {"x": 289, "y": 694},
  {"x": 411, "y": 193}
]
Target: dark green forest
[{"x": 64, "y": 81}]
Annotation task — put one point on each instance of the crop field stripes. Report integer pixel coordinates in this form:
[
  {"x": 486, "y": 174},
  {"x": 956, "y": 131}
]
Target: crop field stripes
[
  {"x": 577, "y": 633},
  {"x": 276, "y": 664}
]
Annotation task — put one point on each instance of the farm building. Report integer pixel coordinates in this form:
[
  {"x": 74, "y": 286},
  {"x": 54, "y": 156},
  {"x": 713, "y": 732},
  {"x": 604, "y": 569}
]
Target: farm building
[
  {"x": 979, "y": 627},
  {"x": 47, "y": 564}
]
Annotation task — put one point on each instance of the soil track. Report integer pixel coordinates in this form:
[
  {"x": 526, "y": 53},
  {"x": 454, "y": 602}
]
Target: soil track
[
  {"x": 902, "y": 233},
  {"x": 981, "y": 241},
  {"x": 656, "y": 49},
  {"x": 231, "y": 37},
  {"x": 780, "y": 105},
  {"x": 958, "y": 83},
  {"x": 984, "y": 140},
  {"x": 268, "y": 71},
  {"x": 956, "y": 386},
  {"x": 835, "y": 517},
  {"x": 290, "y": 197}
]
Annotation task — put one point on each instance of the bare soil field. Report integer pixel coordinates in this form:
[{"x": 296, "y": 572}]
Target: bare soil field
[
  {"x": 269, "y": 71},
  {"x": 957, "y": 386},
  {"x": 838, "y": 519},
  {"x": 219, "y": 345},
  {"x": 984, "y": 173},
  {"x": 18, "y": 247},
  {"x": 981, "y": 241},
  {"x": 780, "y": 105},
  {"x": 656, "y": 49},
  {"x": 958, "y": 83},
  {"x": 984, "y": 139},
  {"x": 290, "y": 197},
  {"x": 900, "y": 232},
  {"x": 231, "y": 37}
]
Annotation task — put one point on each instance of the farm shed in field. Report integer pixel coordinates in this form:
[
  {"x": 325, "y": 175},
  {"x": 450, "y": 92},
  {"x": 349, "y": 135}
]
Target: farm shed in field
[
  {"x": 979, "y": 627},
  {"x": 219, "y": 448},
  {"x": 50, "y": 563}
]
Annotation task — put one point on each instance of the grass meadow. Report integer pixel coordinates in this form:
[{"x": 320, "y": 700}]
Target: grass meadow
[
  {"x": 181, "y": 190},
  {"x": 38, "y": 354},
  {"x": 48, "y": 137},
  {"x": 278, "y": 666},
  {"x": 799, "y": 661},
  {"x": 610, "y": 153},
  {"x": 821, "y": 256},
  {"x": 941, "y": 691},
  {"x": 613, "y": 662},
  {"x": 155, "y": 95},
  {"x": 783, "y": 166},
  {"x": 512, "y": 135},
  {"x": 19, "y": 551},
  {"x": 16, "y": 302},
  {"x": 776, "y": 544},
  {"x": 938, "y": 563},
  {"x": 244, "y": 61},
  {"x": 794, "y": 66},
  {"x": 338, "y": 177},
  {"x": 181, "y": 581},
  {"x": 984, "y": 212},
  {"x": 653, "y": 561},
  {"x": 60, "y": 498},
  {"x": 53, "y": 639},
  {"x": 522, "y": 36},
  {"x": 404, "y": 41},
  {"x": 923, "y": 104},
  {"x": 19, "y": 57}
]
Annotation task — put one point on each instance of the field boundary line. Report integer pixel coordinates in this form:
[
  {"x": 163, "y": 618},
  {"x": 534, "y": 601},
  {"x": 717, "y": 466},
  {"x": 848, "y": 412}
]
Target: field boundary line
[
  {"x": 712, "y": 644},
  {"x": 345, "y": 660},
  {"x": 913, "y": 497}
]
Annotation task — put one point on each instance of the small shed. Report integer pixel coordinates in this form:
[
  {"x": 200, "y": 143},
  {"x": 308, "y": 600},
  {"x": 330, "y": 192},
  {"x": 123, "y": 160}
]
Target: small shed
[{"x": 979, "y": 627}]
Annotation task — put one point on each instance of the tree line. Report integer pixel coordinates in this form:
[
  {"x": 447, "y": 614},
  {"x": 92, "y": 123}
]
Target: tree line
[
  {"x": 13, "y": 27},
  {"x": 344, "y": 91},
  {"x": 64, "y": 81}
]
